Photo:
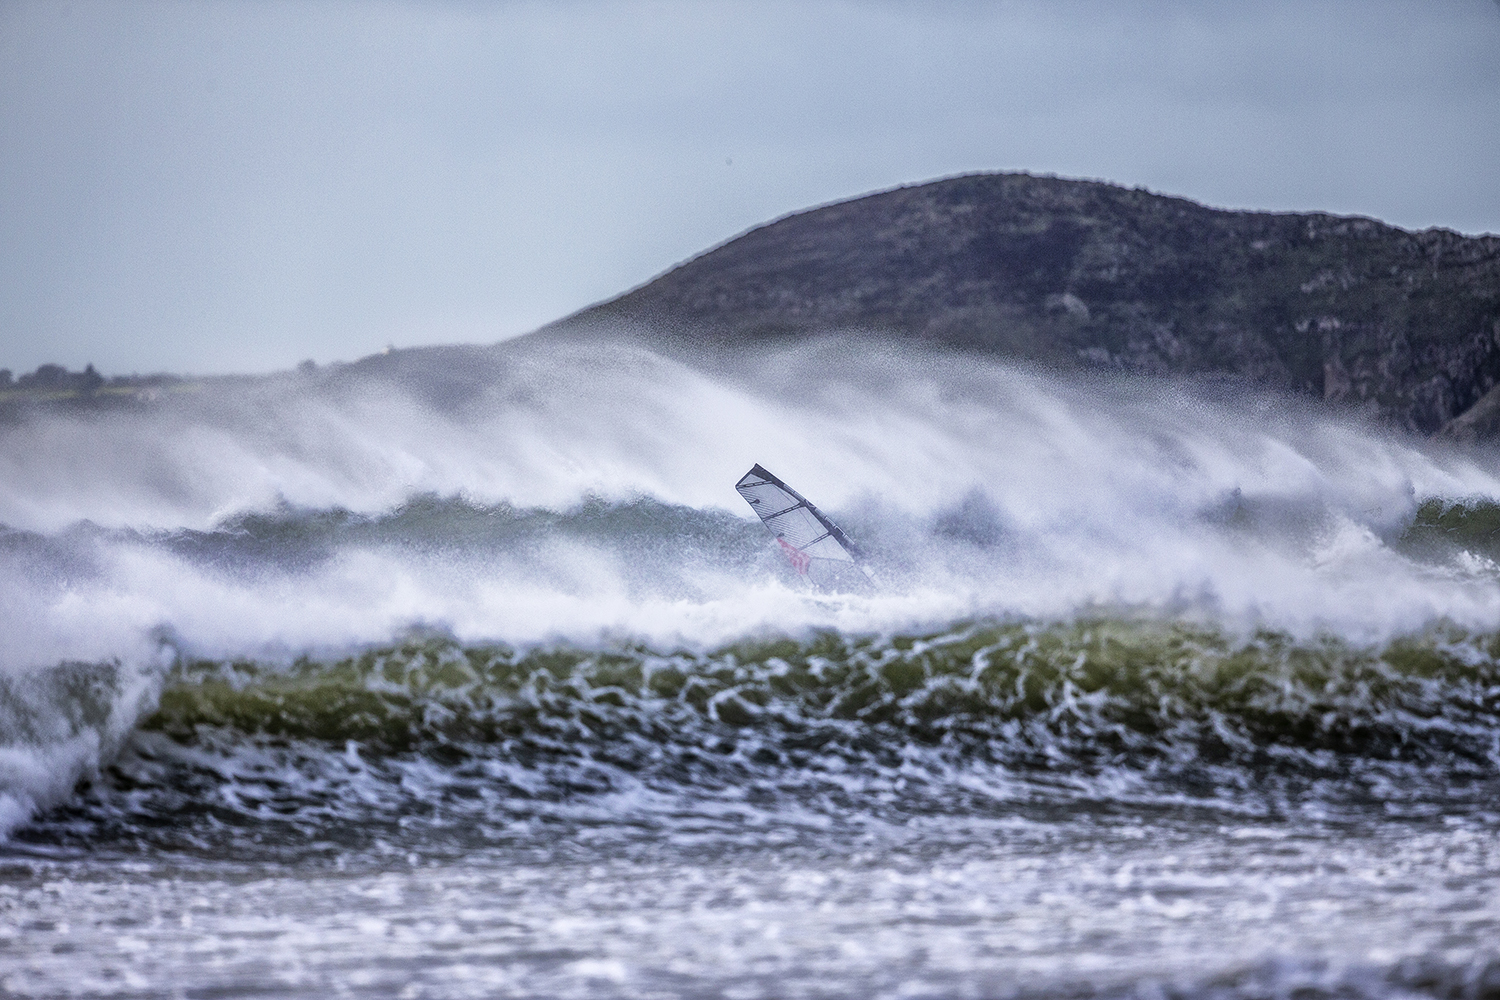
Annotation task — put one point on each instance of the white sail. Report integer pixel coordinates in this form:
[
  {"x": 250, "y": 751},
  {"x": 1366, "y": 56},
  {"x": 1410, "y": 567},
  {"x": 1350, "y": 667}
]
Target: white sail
[{"x": 815, "y": 546}]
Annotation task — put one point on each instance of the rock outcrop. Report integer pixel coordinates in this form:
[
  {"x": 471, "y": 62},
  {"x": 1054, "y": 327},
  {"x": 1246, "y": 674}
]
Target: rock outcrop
[{"x": 1405, "y": 325}]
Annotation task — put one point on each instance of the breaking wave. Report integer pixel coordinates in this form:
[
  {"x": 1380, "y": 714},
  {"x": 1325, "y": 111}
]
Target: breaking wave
[
  {"x": 1101, "y": 689},
  {"x": 978, "y": 717},
  {"x": 297, "y": 598}
]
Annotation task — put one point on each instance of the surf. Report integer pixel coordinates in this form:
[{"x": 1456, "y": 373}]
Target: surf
[{"x": 569, "y": 499}]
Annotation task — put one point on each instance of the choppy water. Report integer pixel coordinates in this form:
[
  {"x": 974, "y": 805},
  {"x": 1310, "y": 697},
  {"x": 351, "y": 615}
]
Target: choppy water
[{"x": 465, "y": 674}]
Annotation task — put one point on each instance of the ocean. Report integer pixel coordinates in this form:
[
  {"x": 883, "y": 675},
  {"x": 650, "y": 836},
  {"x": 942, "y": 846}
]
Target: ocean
[{"x": 466, "y": 673}]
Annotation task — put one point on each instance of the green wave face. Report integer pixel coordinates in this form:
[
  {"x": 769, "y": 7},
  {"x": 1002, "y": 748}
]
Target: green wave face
[
  {"x": 1098, "y": 687},
  {"x": 1442, "y": 528},
  {"x": 459, "y": 744}
]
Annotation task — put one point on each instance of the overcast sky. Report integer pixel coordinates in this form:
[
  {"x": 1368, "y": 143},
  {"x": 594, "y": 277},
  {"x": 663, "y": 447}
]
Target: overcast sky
[{"x": 212, "y": 187}]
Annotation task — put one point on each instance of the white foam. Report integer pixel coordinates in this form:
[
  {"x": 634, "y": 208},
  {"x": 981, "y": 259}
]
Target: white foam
[{"x": 1104, "y": 492}]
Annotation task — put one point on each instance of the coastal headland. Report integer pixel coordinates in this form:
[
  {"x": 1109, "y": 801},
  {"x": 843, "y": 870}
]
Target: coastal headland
[{"x": 1402, "y": 327}]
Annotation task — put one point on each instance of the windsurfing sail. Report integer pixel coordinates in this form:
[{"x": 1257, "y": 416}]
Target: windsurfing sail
[{"x": 815, "y": 546}]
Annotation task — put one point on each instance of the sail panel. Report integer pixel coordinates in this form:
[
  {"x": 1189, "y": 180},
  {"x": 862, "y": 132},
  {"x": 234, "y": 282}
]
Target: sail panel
[{"x": 814, "y": 544}]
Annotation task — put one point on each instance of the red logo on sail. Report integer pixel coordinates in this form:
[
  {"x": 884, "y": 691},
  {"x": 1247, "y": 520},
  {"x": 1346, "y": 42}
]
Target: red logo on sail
[{"x": 800, "y": 560}]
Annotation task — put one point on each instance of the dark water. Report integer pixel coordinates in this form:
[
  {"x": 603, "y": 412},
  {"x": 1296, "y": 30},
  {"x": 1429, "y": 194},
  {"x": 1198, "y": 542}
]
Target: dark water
[{"x": 383, "y": 688}]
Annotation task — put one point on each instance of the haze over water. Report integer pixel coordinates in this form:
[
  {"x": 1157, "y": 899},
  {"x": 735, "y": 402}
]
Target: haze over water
[{"x": 467, "y": 673}]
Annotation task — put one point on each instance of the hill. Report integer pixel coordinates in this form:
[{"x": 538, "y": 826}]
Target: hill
[{"x": 1404, "y": 325}]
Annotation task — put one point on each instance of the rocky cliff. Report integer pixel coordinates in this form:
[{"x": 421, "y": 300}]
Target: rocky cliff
[{"x": 1405, "y": 325}]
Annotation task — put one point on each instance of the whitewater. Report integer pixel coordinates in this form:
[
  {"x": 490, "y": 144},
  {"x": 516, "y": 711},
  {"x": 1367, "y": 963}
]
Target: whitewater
[{"x": 466, "y": 672}]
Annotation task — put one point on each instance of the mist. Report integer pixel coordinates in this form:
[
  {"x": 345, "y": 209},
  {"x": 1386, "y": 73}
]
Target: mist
[{"x": 573, "y": 492}]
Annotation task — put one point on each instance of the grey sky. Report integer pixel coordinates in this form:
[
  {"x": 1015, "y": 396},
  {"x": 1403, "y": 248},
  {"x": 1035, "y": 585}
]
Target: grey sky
[{"x": 235, "y": 186}]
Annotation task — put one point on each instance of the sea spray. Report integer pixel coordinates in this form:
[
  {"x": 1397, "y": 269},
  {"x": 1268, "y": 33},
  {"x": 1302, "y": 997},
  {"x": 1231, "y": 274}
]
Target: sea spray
[
  {"x": 59, "y": 725},
  {"x": 466, "y": 673}
]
